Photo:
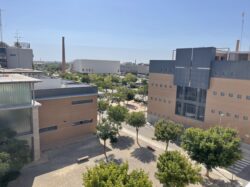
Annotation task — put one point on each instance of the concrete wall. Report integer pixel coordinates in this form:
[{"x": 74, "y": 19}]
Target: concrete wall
[
  {"x": 19, "y": 58},
  {"x": 162, "y": 100},
  {"x": 96, "y": 66},
  {"x": 63, "y": 114}
]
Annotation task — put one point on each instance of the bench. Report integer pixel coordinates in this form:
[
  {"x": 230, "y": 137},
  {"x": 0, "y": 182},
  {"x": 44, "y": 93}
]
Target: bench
[
  {"x": 150, "y": 148},
  {"x": 82, "y": 159}
]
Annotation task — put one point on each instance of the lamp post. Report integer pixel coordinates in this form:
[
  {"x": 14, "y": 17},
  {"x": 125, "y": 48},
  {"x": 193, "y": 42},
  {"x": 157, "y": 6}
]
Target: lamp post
[{"x": 221, "y": 115}]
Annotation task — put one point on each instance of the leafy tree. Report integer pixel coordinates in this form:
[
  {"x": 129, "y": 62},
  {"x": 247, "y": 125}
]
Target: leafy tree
[
  {"x": 175, "y": 169},
  {"x": 85, "y": 78},
  {"x": 167, "y": 131},
  {"x": 105, "y": 131},
  {"x": 215, "y": 147},
  {"x": 102, "y": 106},
  {"x": 129, "y": 94},
  {"x": 117, "y": 115},
  {"x": 129, "y": 78},
  {"x": 112, "y": 174},
  {"x": 137, "y": 120},
  {"x": 14, "y": 154}
]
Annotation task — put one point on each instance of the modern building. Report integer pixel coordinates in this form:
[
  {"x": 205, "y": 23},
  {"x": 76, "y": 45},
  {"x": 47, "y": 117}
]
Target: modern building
[
  {"x": 128, "y": 67},
  {"x": 96, "y": 66},
  {"x": 22, "y": 71},
  {"x": 68, "y": 111},
  {"x": 143, "y": 69},
  {"x": 19, "y": 110},
  {"x": 18, "y": 56},
  {"x": 202, "y": 87}
]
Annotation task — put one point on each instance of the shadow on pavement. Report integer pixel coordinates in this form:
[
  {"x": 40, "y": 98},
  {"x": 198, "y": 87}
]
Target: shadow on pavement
[
  {"x": 219, "y": 183},
  {"x": 58, "y": 158},
  {"x": 143, "y": 154},
  {"x": 111, "y": 158},
  {"x": 124, "y": 142}
]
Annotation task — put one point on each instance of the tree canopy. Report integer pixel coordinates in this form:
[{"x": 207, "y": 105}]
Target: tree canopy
[
  {"x": 117, "y": 114},
  {"x": 137, "y": 120},
  {"x": 112, "y": 174},
  {"x": 167, "y": 131},
  {"x": 215, "y": 147},
  {"x": 175, "y": 169},
  {"x": 14, "y": 154}
]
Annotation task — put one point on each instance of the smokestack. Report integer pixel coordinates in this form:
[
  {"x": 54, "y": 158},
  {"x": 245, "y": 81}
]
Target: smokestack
[
  {"x": 237, "y": 49},
  {"x": 63, "y": 56}
]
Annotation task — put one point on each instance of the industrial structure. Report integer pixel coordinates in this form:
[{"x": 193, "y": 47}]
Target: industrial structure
[
  {"x": 202, "y": 87},
  {"x": 96, "y": 66}
]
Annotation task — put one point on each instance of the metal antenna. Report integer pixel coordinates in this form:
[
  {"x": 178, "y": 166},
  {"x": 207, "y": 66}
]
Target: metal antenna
[
  {"x": 1, "y": 28},
  {"x": 242, "y": 28}
]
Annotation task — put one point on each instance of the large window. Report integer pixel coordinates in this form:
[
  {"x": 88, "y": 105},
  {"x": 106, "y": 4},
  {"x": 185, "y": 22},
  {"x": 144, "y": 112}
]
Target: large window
[{"x": 190, "y": 102}]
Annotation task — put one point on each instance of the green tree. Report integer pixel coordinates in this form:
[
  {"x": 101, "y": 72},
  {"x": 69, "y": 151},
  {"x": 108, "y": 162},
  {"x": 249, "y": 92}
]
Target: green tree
[
  {"x": 102, "y": 106},
  {"x": 114, "y": 175},
  {"x": 215, "y": 147},
  {"x": 105, "y": 131},
  {"x": 137, "y": 120},
  {"x": 129, "y": 78},
  {"x": 14, "y": 154},
  {"x": 167, "y": 131},
  {"x": 175, "y": 170},
  {"x": 85, "y": 78},
  {"x": 117, "y": 115},
  {"x": 129, "y": 94}
]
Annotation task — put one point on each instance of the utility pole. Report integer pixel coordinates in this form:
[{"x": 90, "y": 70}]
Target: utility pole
[{"x": 242, "y": 28}]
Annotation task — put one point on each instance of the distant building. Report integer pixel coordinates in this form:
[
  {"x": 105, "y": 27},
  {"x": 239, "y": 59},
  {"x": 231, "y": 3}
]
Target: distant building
[
  {"x": 128, "y": 67},
  {"x": 68, "y": 110},
  {"x": 143, "y": 69},
  {"x": 96, "y": 66},
  {"x": 19, "y": 110},
  {"x": 27, "y": 72},
  {"x": 203, "y": 87},
  {"x": 18, "y": 56}
]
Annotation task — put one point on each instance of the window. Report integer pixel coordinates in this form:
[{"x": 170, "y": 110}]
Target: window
[
  {"x": 191, "y": 94},
  {"x": 245, "y": 118},
  {"x": 222, "y": 94},
  {"x": 47, "y": 129},
  {"x": 180, "y": 92},
  {"x": 156, "y": 84},
  {"x": 178, "y": 108},
  {"x": 236, "y": 116},
  {"x": 228, "y": 114},
  {"x": 82, "y": 122},
  {"x": 165, "y": 86},
  {"x": 169, "y": 102},
  {"x": 248, "y": 97},
  {"x": 155, "y": 99},
  {"x": 159, "y": 99},
  {"x": 151, "y": 98},
  {"x": 239, "y": 96},
  {"x": 230, "y": 95},
  {"x": 160, "y": 85},
  {"x": 220, "y": 112},
  {"x": 152, "y": 84},
  {"x": 212, "y": 111},
  {"x": 201, "y": 113},
  {"x": 214, "y": 93},
  {"x": 170, "y": 86},
  {"x": 164, "y": 100},
  {"x": 189, "y": 110},
  {"x": 77, "y": 102}
]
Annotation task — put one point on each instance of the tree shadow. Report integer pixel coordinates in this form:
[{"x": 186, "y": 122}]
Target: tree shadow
[
  {"x": 143, "y": 154},
  {"x": 209, "y": 182},
  {"x": 111, "y": 158},
  {"x": 124, "y": 142}
]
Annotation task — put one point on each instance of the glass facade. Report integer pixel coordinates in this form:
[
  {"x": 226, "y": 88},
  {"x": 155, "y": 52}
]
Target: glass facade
[
  {"x": 190, "y": 102},
  {"x": 15, "y": 94},
  {"x": 18, "y": 120}
]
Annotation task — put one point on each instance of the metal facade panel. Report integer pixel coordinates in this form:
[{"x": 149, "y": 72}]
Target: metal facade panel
[
  {"x": 183, "y": 57},
  {"x": 200, "y": 78},
  {"x": 161, "y": 66},
  {"x": 202, "y": 57}
]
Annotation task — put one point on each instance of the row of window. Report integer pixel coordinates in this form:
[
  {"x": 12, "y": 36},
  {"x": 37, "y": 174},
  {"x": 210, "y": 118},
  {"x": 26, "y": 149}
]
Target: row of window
[
  {"x": 77, "y": 102},
  {"x": 238, "y": 96},
  {"x": 55, "y": 127},
  {"x": 160, "y": 100},
  {"x": 161, "y": 85},
  {"x": 159, "y": 115},
  {"x": 236, "y": 116}
]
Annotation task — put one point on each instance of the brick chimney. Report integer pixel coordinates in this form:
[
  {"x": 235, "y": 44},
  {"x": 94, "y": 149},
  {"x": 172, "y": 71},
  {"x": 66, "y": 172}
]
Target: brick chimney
[{"x": 63, "y": 56}]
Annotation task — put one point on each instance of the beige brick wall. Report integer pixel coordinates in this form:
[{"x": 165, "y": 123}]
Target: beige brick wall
[
  {"x": 62, "y": 113},
  {"x": 162, "y": 99}
]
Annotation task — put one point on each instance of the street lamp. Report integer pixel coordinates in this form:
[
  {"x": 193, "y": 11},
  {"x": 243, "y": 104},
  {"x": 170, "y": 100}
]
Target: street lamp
[{"x": 221, "y": 115}]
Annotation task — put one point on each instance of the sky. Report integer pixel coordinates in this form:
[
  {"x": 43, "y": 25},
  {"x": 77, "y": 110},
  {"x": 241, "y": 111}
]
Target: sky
[{"x": 124, "y": 30}]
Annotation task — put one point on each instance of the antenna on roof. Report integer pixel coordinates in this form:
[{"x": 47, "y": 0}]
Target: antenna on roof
[
  {"x": 18, "y": 37},
  {"x": 1, "y": 27},
  {"x": 242, "y": 28}
]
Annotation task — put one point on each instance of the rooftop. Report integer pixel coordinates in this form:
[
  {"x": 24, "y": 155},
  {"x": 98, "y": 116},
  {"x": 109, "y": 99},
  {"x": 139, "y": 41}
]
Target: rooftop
[
  {"x": 19, "y": 70},
  {"x": 15, "y": 78}
]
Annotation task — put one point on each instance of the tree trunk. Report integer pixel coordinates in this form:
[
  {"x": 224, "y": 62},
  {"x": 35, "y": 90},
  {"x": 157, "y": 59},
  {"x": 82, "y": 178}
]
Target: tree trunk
[
  {"x": 167, "y": 142},
  {"x": 207, "y": 173},
  {"x": 104, "y": 149},
  {"x": 137, "y": 130}
]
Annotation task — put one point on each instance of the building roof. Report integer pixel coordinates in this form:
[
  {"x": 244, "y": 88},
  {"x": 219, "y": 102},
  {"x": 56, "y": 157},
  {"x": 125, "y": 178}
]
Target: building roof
[
  {"x": 19, "y": 70},
  {"x": 15, "y": 78}
]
